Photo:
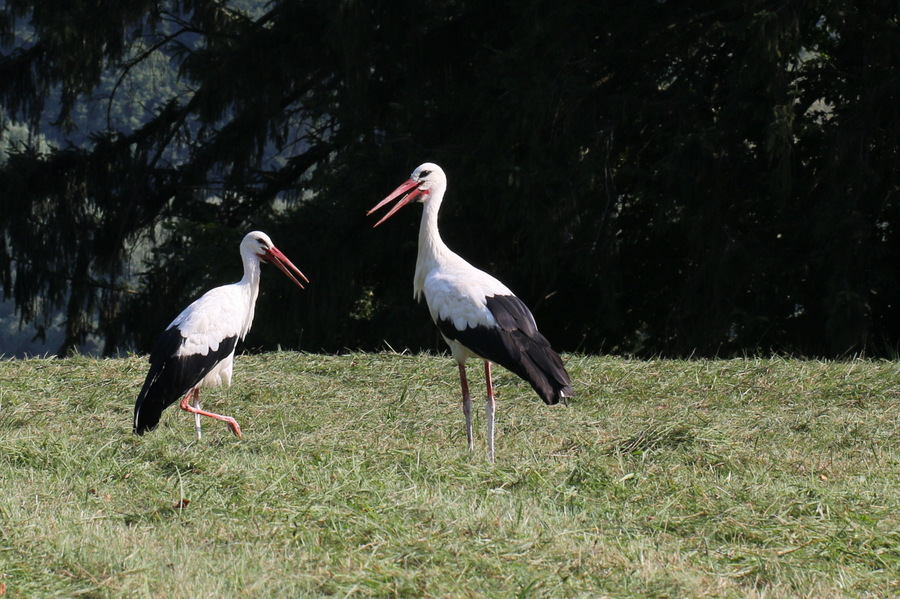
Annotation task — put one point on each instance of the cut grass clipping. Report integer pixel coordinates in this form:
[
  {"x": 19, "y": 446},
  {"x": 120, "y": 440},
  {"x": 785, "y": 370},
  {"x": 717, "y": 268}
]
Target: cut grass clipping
[{"x": 738, "y": 478}]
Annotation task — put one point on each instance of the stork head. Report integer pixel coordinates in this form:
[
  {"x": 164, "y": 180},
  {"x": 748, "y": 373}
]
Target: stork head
[
  {"x": 258, "y": 244},
  {"x": 426, "y": 181}
]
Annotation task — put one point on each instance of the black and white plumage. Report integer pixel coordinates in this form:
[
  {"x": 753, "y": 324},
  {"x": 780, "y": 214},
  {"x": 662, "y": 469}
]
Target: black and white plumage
[
  {"x": 478, "y": 316},
  {"x": 197, "y": 348}
]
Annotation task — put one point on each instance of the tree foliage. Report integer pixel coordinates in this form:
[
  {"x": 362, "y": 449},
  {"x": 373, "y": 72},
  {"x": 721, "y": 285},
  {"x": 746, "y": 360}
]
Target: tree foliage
[{"x": 651, "y": 177}]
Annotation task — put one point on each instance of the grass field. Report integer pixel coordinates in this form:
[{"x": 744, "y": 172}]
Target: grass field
[{"x": 737, "y": 478}]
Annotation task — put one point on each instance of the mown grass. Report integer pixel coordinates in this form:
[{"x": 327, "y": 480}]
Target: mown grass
[{"x": 664, "y": 478}]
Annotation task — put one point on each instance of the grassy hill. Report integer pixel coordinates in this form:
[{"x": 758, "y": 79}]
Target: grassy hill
[{"x": 737, "y": 478}]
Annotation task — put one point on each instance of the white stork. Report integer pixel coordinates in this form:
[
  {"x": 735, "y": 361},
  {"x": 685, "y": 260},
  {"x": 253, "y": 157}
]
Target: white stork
[
  {"x": 478, "y": 316},
  {"x": 197, "y": 349}
]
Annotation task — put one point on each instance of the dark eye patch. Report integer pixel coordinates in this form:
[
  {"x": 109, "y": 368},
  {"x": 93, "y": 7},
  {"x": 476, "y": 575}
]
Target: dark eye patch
[{"x": 424, "y": 174}]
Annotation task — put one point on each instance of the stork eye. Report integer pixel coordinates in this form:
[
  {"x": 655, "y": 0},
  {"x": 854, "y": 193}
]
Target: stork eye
[{"x": 424, "y": 174}]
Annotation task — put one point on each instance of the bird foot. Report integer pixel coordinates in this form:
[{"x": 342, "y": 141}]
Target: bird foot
[
  {"x": 195, "y": 409},
  {"x": 235, "y": 427}
]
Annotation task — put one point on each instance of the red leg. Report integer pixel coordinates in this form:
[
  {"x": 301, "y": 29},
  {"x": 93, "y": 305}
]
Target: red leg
[
  {"x": 466, "y": 404},
  {"x": 187, "y": 407},
  {"x": 489, "y": 408},
  {"x": 196, "y": 404}
]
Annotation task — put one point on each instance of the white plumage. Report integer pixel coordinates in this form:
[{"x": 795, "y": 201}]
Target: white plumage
[
  {"x": 197, "y": 348},
  {"x": 210, "y": 321},
  {"x": 478, "y": 316}
]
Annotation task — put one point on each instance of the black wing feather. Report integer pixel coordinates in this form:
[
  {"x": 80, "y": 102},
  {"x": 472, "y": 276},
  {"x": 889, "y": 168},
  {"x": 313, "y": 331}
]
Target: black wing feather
[
  {"x": 171, "y": 376},
  {"x": 517, "y": 345}
]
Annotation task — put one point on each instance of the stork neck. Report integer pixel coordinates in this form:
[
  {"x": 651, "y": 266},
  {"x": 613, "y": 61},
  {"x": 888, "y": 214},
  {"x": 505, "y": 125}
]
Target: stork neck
[
  {"x": 432, "y": 249},
  {"x": 249, "y": 284},
  {"x": 251, "y": 269},
  {"x": 430, "y": 241}
]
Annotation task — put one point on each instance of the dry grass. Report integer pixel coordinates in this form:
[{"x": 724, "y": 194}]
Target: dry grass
[{"x": 739, "y": 478}]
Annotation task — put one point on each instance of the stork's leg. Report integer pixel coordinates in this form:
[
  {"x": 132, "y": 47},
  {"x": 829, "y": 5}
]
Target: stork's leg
[
  {"x": 489, "y": 408},
  {"x": 196, "y": 404},
  {"x": 186, "y": 406},
  {"x": 466, "y": 404}
]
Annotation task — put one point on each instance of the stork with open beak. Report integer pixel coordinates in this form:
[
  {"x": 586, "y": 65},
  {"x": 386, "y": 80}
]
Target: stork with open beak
[
  {"x": 197, "y": 348},
  {"x": 478, "y": 316}
]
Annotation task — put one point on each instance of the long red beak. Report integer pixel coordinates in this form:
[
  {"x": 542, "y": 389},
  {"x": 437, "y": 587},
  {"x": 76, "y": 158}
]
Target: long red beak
[
  {"x": 275, "y": 256},
  {"x": 404, "y": 200}
]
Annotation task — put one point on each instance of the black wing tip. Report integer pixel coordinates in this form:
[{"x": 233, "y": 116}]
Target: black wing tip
[
  {"x": 562, "y": 394},
  {"x": 140, "y": 429},
  {"x": 146, "y": 409},
  {"x": 143, "y": 425}
]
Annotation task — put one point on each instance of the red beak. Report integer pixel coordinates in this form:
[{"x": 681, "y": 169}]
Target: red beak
[
  {"x": 275, "y": 256},
  {"x": 404, "y": 199}
]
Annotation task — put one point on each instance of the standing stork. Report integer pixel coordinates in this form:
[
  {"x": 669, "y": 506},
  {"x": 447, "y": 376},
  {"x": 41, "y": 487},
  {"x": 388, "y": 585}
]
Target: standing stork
[
  {"x": 478, "y": 316},
  {"x": 197, "y": 349}
]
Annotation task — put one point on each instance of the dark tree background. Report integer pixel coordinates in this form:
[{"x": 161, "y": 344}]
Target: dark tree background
[{"x": 653, "y": 177}]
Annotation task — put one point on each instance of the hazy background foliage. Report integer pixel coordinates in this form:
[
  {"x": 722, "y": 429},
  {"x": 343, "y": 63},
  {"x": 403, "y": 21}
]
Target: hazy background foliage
[{"x": 652, "y": 177}]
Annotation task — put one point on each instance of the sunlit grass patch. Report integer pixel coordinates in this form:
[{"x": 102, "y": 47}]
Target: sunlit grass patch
[{"x": 756, "y": 477}]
